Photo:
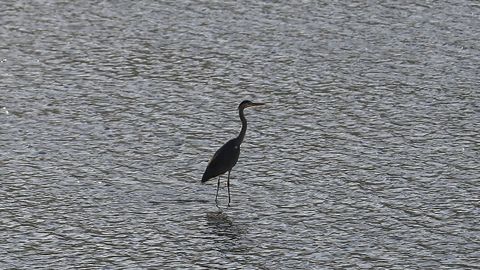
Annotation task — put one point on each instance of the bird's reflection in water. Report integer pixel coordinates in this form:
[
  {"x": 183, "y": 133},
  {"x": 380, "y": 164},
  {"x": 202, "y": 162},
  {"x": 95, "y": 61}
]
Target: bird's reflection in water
[{"x": 222, "y": 225}]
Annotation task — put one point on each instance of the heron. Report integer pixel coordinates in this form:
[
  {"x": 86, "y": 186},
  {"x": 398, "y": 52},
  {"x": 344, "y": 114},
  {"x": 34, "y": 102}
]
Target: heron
[{"x": 226, "y": 156}]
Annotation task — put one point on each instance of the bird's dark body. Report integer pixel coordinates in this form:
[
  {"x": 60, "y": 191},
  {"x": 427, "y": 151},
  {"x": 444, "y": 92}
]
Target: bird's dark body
[{"x": 223, "y": 160}]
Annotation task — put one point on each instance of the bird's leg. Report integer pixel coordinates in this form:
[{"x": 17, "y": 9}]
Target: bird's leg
[
  {"x": 228, "y": 187},
  {"x": 218, "y": 187}
]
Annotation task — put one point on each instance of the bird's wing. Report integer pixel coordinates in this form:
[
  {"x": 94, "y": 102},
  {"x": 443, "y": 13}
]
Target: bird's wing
[
  {"x": 222, "y": 151},
  {"x": 223, "y": 160}
]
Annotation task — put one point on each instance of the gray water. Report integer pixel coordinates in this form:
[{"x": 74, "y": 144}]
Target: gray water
[{"x": 365, "y": 157}]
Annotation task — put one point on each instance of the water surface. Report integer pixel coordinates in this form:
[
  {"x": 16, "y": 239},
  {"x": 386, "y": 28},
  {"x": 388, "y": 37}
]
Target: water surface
[{"x": 366, "y": 156}]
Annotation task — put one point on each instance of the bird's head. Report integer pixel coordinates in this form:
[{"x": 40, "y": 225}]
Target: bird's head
[{"x": 247, "y": 103}]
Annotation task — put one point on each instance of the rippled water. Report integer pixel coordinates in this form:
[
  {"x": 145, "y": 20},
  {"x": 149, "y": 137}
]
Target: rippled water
[{"x": 367, "y": 155}]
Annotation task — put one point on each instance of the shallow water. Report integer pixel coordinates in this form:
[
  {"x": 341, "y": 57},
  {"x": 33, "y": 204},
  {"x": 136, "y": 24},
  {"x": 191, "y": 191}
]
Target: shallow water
[{"x": 366, "y": 155}]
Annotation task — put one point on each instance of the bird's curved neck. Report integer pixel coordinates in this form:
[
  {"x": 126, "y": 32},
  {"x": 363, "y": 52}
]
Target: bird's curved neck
[{"x": 244, "y": 126}]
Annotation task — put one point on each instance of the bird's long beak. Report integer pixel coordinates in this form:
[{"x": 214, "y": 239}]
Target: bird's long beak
[{"x": 256, "y": 104}]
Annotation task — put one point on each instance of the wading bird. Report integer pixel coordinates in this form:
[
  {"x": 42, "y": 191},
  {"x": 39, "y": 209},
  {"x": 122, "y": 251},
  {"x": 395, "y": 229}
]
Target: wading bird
[{"x": 227, "y": 156}]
